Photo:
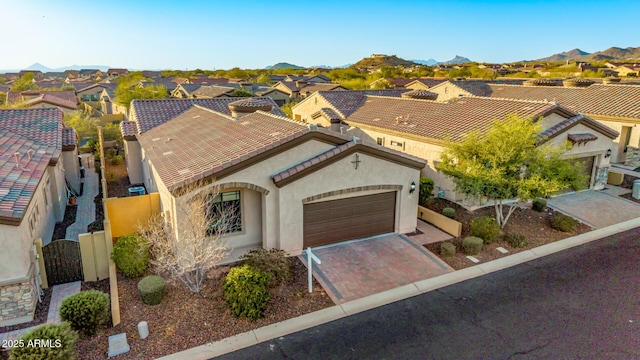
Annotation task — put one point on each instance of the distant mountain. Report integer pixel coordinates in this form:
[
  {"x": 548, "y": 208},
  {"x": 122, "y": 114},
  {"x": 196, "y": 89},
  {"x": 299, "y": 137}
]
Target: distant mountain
[
  {"x": 380, "y": 60},
  {"x": 612, "y": 53},
  {"x": 284, "y": 65},
  {"x": 456, "y": 60},
  {"x": 40, "y": 67},
  {"x": 575, "y": 54},
  {"x": 43, "y": 68},
  {"x": 429, "y": 62}
]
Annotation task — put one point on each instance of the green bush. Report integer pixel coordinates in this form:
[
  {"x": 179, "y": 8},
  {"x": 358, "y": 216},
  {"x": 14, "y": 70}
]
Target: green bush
[
  {"x": 539, "y": 205},
  {"x": 449, "y": 212},
  {"x": 274, "y": 262},
  {"x": 564, "y": 223},
  {"x": 151, "y": 289},
  {"x": 472, "y": 245},
  {"x": 516, "y": 240},
  {"x": 245, "y": 291},
  {"x": 85, "y": 310},
  {"x": 131, "y": 255},
  {"x": 447, "y": 249},
  {"x": 117, "y": 160},
  {"x": 111, "y": 153},
  {"x": 426, "y": 190},
  {"x": 485, "y": 227},
  {"x": 62, "y": 339}
]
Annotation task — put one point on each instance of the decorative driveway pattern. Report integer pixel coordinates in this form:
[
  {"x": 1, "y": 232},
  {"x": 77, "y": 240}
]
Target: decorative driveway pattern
[
  {"x": 359, "y": 268},
  {"x": 595, "y": 208}
]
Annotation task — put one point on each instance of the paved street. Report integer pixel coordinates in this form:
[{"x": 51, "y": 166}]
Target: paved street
[{"x": 580, "y": 303}]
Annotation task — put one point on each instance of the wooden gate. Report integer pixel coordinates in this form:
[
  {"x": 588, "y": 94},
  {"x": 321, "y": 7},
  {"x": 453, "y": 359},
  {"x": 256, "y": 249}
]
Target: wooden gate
[{"x": 63, "y": 262}]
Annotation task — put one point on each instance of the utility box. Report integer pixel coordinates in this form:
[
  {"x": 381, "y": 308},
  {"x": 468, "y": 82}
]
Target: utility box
[
  {"x": 615, "y": 178},
  {"x": 635, "y": 193}
]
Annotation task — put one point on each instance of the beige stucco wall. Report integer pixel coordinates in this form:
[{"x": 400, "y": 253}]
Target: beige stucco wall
[
  {"x": 71, "y": 168},
  {"x": 617, "y": 149},
  {"x": 88, "y": 92},
  {"x": 134, "y": 161},
  {"x": 447, "y": 91},
  {"x": 44, "y": 105},
  {"x": 417, "y": 86},
  {"x": 371, "y": 171},
  {"x": 309, "y": 106},
  {"x": 58, "y": 192},
  {"x": 277, "y": 95},
  {"x": 15, "y": 241}
]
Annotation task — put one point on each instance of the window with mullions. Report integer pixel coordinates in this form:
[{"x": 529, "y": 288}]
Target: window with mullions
[{"x": 224, "y": 212}]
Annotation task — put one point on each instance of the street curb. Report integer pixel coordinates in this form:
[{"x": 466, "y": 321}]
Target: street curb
[{"x": 336, "y": 312}]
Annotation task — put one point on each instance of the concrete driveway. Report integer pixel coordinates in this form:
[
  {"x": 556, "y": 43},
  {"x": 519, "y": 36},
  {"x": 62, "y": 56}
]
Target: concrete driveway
[
  {"x": 359, "y": 268},
  {"x": 596, "y": 208}
]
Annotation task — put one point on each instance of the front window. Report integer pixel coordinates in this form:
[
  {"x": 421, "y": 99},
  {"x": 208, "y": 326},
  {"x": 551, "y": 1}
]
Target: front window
[{"x": 224, "y": 212}]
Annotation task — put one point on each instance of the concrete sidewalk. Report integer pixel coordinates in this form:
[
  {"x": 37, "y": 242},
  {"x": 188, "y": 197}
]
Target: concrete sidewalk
[{"x": 306, "y": 321}]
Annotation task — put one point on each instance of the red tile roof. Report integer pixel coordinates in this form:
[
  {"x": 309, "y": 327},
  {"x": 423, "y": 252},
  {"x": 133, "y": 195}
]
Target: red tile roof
[
  {"x": 200, "y": 142},
  {"x": 325, "y": 156},
  {"x": 581, "y": 137},
  {"x": 43, "y": 125},
  {"x": 573, "y": 121},
  {"x": 128, "y": 128},
  {"x": 597, "y": 99},
  {"x": 69, "y": 137},
  {"x": 346, "y": 102},
  {"x": 150, "y": 113},
  {"x": 441, "y": 120},
  {"x": 65, "y": 99}
]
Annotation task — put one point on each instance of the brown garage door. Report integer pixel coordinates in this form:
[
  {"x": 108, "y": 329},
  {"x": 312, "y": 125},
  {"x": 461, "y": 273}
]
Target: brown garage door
[
  {"x": 587, "y": 164},
  {"x": 333, "y": 221}
]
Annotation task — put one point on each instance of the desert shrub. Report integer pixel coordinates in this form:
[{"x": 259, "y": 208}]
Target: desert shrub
[
  {"x": 564, "y": 223},
  {"x": 117, "y": 160},
  {"x": 62, "y": 338},
  {"x": 447, "y": 249},
  {"x": 539, "y": 205},
  {"x": 516, "y": 240},
  {"x": 472, "y": 245},
  {"x": 449, "y": 212},
  {"x": 274, "y": 262},
  {"x": 111, "y": 153},
  {"x": 245, "y": 291},
  {"x": 131, "y": 255},
  {"x": 485, "y": 227},
  {"x": 85, "y": 310},
  {"x": 151, "y": 289},
  {"x": 426, "y": 189}
]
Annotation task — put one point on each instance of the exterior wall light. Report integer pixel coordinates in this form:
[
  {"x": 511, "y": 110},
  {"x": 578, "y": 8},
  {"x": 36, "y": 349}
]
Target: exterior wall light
[
  {"x": 608, "y": 153},
  {"x": 412, "y": 188}
]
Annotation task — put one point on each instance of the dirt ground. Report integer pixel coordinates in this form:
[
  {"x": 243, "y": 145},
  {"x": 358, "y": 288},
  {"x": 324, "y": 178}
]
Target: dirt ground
[{"x": 535, "y": 226}]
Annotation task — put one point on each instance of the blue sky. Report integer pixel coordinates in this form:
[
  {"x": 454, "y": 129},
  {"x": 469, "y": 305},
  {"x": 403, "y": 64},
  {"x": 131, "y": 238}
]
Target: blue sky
[{"x": 158, "y": 34}]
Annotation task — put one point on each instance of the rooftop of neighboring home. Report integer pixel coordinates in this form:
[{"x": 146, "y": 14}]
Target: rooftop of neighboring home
[
  {"x": 344, "y": 103},
  {"x": 448, "y": 120},
  {"x": 118, "y": 71},
  {"x": 622, "y": 101},
  {"x": 91, "y": 85},
  {"x": 148, "y": 114},
  {"x": 66, "y": 99},
  {"x": 306, "y": 87},
  {"x": 395, "y": 81},
  {"x": 169, "y": 84},
  {"x": 211, "y": 91},
  {"x": 89, "y": 71},
  {"x": 30, "y": 139},
  {"x": 202, "y": 143}
]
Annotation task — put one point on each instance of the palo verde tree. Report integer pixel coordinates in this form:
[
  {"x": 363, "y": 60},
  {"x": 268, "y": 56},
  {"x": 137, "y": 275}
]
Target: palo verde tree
[{"x": 509, "y": 161}]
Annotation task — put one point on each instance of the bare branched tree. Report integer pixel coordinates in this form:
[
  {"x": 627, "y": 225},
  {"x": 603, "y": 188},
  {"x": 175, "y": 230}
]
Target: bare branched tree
[{"x": 195, "y": 246}]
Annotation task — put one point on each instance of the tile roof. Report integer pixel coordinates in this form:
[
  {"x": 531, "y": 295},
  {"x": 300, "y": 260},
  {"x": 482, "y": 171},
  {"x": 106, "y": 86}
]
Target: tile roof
[
  {"x": 69, "y": 137},
  {"x": 19, "y": 176},
  {"x": 212, "y": 91},
  {"x": 597, "y": 99},
  {"x": 128, "y": 128},
  {"x": 441, "y": 120},
  {"x": 564, "y": 125},
  {"x": 346, "y": 102},
  {"x": 420, "y": 94},
  {"x": 581, "y": 137},
  {"x": 150, "y": 113},
  {"x": 328, "y": 113},
  {"x": 430, "y": 82},
  {"x": 396, "y": 81},
  {"x": 117, "y": 71},
  {"x": 43, "y": 125},
  {"x": 52, "y": 99},
  {"x": 200, "y": 142},
  {"x": 60, "y": 98},
  {"x": 309, "y": 87}
]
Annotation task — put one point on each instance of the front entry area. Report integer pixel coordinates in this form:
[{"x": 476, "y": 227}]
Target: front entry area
[{"x": 334, "y": 221}]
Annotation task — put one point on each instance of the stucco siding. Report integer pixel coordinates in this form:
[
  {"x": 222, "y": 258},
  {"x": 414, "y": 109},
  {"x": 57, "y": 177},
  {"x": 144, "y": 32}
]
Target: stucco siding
[
  {"x": 309, "y": 106},
  {"x": 71, "y": 168},
  {"x": 134, "y": 161},
  {"x": 343, "y": 175}
]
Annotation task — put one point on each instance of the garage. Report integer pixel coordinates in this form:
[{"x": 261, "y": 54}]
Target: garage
[
  {"x": 587, "y": 165},
  {"x": 334, "y": 221}
]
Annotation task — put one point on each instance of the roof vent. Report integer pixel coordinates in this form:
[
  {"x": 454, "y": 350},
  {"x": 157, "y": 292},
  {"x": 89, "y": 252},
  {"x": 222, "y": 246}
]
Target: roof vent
[
  {"x": 577, "y": 82},
  {"x": 541, "y": 82},
  {"x": 420, "y": 94},
  {"x": 248, "y": 105}
]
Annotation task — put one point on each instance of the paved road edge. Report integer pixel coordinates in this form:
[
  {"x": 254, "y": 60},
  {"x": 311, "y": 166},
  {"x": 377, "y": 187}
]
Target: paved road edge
[{"x": 323, "y": 316}]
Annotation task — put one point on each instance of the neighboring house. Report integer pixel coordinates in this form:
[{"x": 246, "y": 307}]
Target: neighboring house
[
  {"x": 63, "y": 100},
  {"x": 421, "y": 127},
  {"x": 197, "y": 91},
  {"x": 72, "y": 74},
  {"x": 90, "y": 73},
  {"x": 113, "y": 73},
  {"x": 624, "y": 69},
  {"x": 11, "y": 76},
  {"x": 395, "y": 83},
  {"x": 36, "y": 73},
  {"x": 58, "y": 76},
  {"x": 300, "y": 89},
  {"x": 108, "y": 105},
  {"x": 37, "y": 155},
  {"x": 279, "y": 97},
  {"x": 424, "y": 83},
  {"x": 93, "y": 91},
  {"x": 273, "y": 172},
  {"x": 168, "y": 84},
  {"x": 343, "y": 103},
  {"x": 152, "y": 74}
]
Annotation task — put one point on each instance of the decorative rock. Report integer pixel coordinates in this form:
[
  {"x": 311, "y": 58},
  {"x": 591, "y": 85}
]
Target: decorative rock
[
  {"x": 118, "y": 345},
  {"x": 143, "y": 329}
]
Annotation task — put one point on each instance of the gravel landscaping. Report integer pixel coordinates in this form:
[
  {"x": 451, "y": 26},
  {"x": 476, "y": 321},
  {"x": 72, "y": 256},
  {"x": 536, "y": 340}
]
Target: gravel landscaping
[
  {"x": 535, "y": 226},
  {"x": 60, "y": 230},
  {"x": 184, "y": 320}
]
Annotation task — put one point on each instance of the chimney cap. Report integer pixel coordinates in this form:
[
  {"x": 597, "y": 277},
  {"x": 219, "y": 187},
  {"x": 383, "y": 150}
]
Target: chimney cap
[{"x": 249, "y": 105}]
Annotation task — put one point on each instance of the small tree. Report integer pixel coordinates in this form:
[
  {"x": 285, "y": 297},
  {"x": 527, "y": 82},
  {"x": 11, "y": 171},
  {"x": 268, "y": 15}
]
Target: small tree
[
  {"x": 189, "y": 251},
  {"x": 509, "y": 162},
  {"x": 426, "y": 190},
  {"x": 25, "y": 82},
  {"x": 85, "y": 126}
]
